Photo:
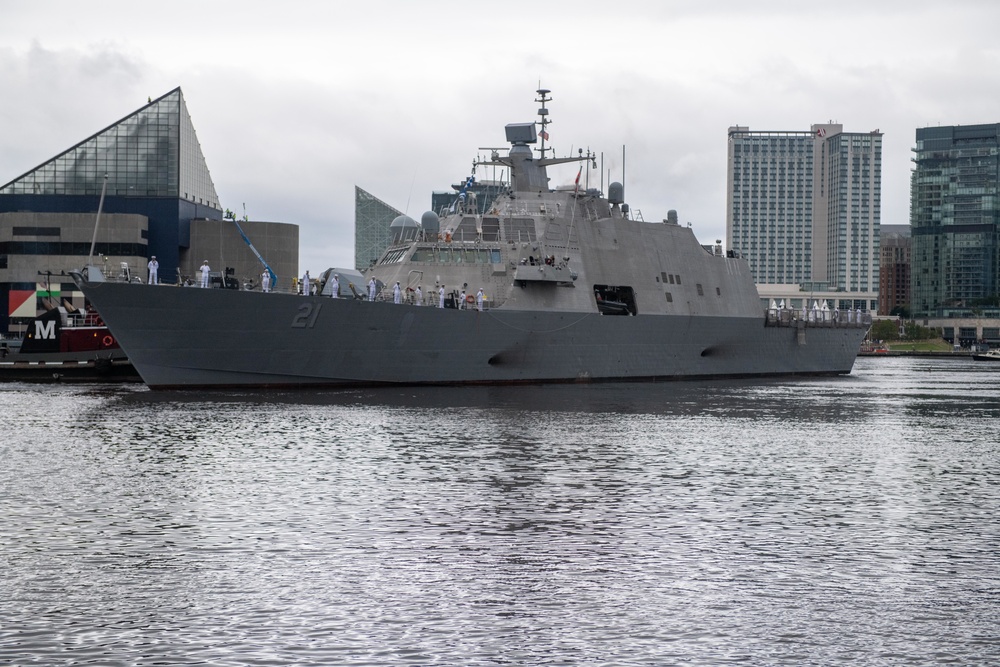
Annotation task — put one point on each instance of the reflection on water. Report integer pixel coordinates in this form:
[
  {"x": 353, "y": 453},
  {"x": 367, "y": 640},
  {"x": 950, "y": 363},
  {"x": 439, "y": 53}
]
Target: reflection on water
[{"x": 848, "y": 520}]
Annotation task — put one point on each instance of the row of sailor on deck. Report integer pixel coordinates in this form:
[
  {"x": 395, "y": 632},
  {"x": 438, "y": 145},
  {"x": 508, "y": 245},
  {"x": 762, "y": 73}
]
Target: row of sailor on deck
[
  {"x": 400, "y": 295},
  {"x": 818, "y": 313},
  {"x": 417, "y": 296}
]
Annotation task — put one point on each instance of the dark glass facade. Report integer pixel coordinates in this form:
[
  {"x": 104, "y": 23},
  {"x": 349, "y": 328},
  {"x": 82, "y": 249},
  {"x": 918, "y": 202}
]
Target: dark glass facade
[
  {"x": 372, "y": 218},
  {"x": 153, "y": 152},
  {"x": 955, "y": 217}
]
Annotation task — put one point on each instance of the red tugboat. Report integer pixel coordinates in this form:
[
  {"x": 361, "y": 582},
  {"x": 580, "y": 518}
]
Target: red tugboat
[{"x": 65, "y": 345}]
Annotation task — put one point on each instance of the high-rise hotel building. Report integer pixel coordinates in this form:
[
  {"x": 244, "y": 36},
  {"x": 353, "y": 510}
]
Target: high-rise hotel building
[{"x": 803, "y": 208}]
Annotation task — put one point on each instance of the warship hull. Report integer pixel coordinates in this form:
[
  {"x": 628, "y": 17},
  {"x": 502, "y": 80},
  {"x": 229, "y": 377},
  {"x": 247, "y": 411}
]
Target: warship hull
[
  {"x": 188, "y": 337},
  {"x": 560, "y": 284}
]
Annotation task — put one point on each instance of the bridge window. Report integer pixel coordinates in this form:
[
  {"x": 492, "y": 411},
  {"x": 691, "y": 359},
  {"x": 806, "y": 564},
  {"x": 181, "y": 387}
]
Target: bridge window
[{"x": 393, "y": 256}]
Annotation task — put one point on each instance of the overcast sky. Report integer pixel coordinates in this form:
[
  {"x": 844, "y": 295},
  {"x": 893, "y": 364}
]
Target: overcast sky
[{"x": 295, "y": 103}]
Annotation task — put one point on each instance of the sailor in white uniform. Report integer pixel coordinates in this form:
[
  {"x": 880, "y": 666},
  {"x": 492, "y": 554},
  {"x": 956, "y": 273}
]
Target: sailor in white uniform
[
  {"x": 397, "y": 294},
  {"x": 205, "y": 269},
  {"x": 479, "y": 299},
  {"x": 441, "y": 296},
  {"x": 461, "y": 300},
  {"x": 420, "y": 296},
  {"x": 371, "y": 289},
  {"x": 265, "y": 281},
  {"x": 335, "y": 287},
  {"x": 306, "y": 285},
  {"x": 153, "y": 266}
]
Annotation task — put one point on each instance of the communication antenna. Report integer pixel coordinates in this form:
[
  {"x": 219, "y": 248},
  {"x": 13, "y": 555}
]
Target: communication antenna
[
  {"x": 623, "y": 172},
  {"x": 97, "y": 221},
  {"x": 544, "y": 122}
]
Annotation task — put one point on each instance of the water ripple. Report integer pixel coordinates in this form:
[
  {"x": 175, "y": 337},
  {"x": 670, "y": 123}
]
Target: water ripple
[{"x": 838, "y": 520}]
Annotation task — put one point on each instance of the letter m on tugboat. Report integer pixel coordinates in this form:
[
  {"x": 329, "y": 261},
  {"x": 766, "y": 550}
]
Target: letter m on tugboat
[{"x": 45, "y": 330}]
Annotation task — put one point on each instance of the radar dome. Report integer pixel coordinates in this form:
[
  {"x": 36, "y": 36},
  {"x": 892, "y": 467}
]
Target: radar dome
[
  {"x": 430, "y": 222},
  {"x": 403, "y": 228},
  {"x": 616, "y": 193}
]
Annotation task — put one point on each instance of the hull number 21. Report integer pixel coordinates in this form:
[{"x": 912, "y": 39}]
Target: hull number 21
[{"x": 306, "y": 317}]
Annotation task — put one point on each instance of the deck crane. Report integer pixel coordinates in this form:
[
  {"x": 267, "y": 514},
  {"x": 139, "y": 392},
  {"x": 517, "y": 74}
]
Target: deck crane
[{"x": 270, "y": 271}]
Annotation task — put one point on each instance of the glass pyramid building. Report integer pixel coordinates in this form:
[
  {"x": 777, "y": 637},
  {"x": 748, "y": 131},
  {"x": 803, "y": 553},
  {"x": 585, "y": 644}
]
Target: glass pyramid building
[
  {"x": 153, "y": 152},
  {"x": 372, "y": 218},
  {"x": 155, "y": 168},
  {"x": 157, "y": 181}
]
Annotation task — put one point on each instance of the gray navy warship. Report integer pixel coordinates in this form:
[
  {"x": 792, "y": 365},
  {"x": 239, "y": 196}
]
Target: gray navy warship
[{"x": 542, "y": 285}]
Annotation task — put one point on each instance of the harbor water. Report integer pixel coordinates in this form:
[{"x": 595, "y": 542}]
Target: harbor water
[{"x": 847, "y": 520}]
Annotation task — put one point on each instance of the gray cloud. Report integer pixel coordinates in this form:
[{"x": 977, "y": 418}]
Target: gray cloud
[{"x": 295, "y": 108}]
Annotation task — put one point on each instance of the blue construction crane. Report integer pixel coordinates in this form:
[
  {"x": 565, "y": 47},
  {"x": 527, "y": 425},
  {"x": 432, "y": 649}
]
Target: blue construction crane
[{"x": 232, "y": 216}]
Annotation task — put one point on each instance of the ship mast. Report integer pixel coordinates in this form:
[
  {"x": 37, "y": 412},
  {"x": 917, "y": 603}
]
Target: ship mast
[{"x": 544, "y": 113}]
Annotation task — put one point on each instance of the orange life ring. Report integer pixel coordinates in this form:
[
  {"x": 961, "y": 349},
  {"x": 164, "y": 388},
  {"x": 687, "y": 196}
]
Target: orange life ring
[
  {"x": 107, "y": 341},
  {"x": 470, "y": 299}
]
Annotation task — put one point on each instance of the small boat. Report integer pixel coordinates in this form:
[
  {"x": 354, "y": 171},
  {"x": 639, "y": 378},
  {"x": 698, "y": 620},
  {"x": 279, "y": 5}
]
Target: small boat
[
  {"x": 65, "y": 345},
  {"x": 991, "y": 355}
]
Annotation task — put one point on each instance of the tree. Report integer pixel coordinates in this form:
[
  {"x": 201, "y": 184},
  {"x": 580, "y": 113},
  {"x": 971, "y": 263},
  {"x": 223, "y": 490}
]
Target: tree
[
  {"x": 916, "y": 332},
  {"x": 889, "y": 330},
  {"x": 884, "y": 330}
]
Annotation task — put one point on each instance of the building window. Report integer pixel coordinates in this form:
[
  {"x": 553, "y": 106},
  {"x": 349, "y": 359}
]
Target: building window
[{"x": 37, "y": 231}]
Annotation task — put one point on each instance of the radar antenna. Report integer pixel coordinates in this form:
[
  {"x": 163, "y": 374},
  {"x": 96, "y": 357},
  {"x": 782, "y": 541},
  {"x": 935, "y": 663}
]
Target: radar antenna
[{"x": 544, "y": 113}]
